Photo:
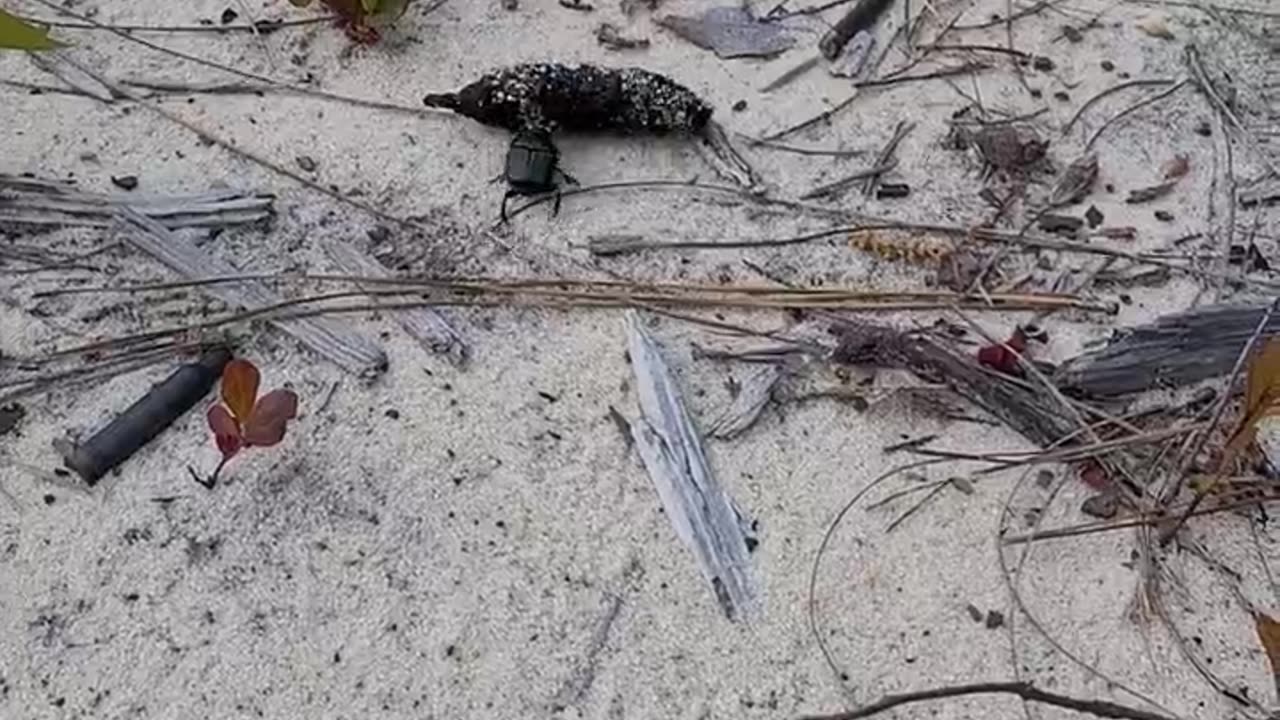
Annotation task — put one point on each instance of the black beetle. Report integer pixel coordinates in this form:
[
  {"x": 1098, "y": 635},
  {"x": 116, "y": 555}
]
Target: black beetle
[{"x": 533, "y": 162}]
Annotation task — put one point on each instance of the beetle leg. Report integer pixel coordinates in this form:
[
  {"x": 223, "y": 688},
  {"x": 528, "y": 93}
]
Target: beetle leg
[
  {"x": 555, "y": 208},
  {"x": 503, "y": 209}
]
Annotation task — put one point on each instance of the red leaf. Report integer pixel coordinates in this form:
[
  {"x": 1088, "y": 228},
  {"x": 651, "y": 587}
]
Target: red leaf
[
  {"x": 226, "y": 431},
  {"x": 240, "y": 388},
  {"x": 265, "y": 426},
  {"x": 1000, "y": 358},
  {"x": 1092, "y": 474}
]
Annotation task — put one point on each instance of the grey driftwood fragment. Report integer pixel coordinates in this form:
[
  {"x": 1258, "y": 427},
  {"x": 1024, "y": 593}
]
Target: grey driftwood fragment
[
  {"x": 1173, "y": 351},
  {"x": 424, "y": 324},
  {"x": 330, "y": 338},
  {"x": 34, "y": 201},
  {"x": 703, "y": 515}
]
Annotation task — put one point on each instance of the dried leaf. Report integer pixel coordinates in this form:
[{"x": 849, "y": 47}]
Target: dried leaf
[
  {"x": 1155, "y": 26},
  {"x": 266, "y": 426},
  {"x": 240, "y": 388},
  {"x": 1175, "y": 168},
  {"x": 1269, "y": 635},
  {"x": 1148, "y": 194},
  {"x": 226, "y": 431},
  {"x": 18, "y": 35},
  {"x": 730, "y": 32}
]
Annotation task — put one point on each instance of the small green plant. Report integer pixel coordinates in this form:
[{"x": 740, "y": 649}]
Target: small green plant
[{"x": 16, "y": 34}]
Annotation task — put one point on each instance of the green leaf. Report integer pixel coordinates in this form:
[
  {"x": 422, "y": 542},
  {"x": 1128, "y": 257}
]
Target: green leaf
[{"x": 18, "y": 35}]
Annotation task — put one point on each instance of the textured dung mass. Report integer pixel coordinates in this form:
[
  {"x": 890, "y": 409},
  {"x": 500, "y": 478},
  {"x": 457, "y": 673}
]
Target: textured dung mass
[{"x": 581, "y": 98}]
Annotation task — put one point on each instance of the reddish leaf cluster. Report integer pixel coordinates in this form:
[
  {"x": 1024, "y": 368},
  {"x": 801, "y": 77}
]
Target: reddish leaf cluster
[
  {"x": 1003, "y": 359},
  {"x": 244, "y": 419}
]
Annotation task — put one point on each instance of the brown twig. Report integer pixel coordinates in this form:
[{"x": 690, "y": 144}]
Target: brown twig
[
  {"x": 1026, "y": 691},
  {"x": 826, "y": 115},
  {"x": 886, "y": 155},
  {"x": 1133, "y": 108},
  {"x": 1113, "y": 89}
]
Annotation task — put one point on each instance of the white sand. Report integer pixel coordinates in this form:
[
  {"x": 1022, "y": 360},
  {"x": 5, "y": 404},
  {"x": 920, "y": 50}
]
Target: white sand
[{"x": 459, "y": 560}]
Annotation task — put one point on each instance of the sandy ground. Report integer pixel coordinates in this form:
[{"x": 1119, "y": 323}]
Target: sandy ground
[{"x": 481, "y": 542}]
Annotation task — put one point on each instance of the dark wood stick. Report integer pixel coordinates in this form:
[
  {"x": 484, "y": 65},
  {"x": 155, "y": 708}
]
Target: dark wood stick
[{"x": 1026, "y": 691}]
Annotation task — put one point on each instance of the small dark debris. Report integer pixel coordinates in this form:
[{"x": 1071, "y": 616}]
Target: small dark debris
[
  {"x": 548, "y": 397},
  {"x": 451, "y": 651},
  {"x": 1250, "y": 257},
  {"x": 1042, "y": 63},
  {"x": 392, "y": 413},
  {"x": 1062, "y": 224},
  {"x": 1203, "y": 128},
  {"x": 266, "y": 27},
  {"x": 995, "y": 619},
  {"x": 130, "y": 597},
  {"x": 577, "y": 5},
  {"x": 1062, "y": 96},
  {"x": 892, "y": 190},
  {"x": 964, "y": 485},
  {"x": 1093, "y": 216},
  {"x": 1044, "y": 479},
  {"x": 50, "y": 499},
  {"x": 752, "y": 544},
  {"x": 1072, "y": 34},
  {"x": 740, "y": 106},
  {"x": 1164, "y": 216},
  {"x": 1036, "y": 92},
  {"x": 974, "y": 612},
  {"x": 611, "y": 38},
  {"x": 1147, "y": 194},
  {"x": 10, "y": 416},
  {"x": 1104, "y": 505},
  {"x": 228, "y": 16},
  {"x": 307, "y": 163},
  {"x": 125, "y": 182},
  {"x": 1108, "y": 66}
]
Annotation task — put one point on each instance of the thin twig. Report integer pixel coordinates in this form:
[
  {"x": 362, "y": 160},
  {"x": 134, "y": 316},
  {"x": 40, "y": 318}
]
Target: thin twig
[
  {"x": 1026, "y": 691},
  {"x": 1113, "y": 89},
  {"x": 1173, "y": 488},
  {"x": 1133, "y": 108}
]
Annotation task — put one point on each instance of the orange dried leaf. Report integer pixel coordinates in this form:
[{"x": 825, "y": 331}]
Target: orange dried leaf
[
  {"x": 1269, "y": 635},
  {"x": 1263, "y": 381},
  {"x": 226, "y": 431},
  {"x": 240, "y": 388},
  {"x": 266, "y": 426}
]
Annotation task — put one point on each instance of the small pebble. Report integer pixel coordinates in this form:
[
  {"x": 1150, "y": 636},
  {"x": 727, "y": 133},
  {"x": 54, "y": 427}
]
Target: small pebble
[
  {"x": 1094, "y": 216},
  {"x": 1042, "y": 63},
  {"x": 1164, "y": 216},
  {"x": 995, "y": 619},
  {"x": 1044, "y": 479},
  {"x": 1108, "y": 66},
  {"x": 974, "y": 612},
  {"x": 307, "y": 163},
  {"x": 740, "y": 106},
  {"x": 1104, "y": 505},
  {"x": 1203, "y": 129},
  {"x": 1062, "y": 96},
  {"x": 1072, "y": 34},
  {"x": 892, "y": 190},
  {"x": 50, "y": 499},
  {"x": 1109, "y": 188},
  {"x": 1035, "y": 92},
  {"x": 125, "y": 182},
  {"x": 229, "y": 16}
]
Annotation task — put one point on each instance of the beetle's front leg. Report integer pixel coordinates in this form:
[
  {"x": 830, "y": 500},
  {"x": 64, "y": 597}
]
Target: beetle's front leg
[
  {"x": 502, "y": 212},
  {"x": 555, "y": 207}
]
